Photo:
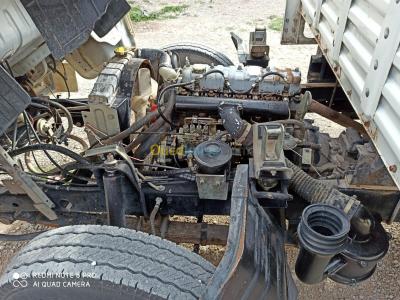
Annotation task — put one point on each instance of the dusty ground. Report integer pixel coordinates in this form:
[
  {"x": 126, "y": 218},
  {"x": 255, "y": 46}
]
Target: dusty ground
[{"x": 209, "y": 22}]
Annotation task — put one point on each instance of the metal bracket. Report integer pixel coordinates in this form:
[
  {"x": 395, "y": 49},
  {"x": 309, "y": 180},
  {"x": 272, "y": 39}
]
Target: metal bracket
[
  {"x": 339, "y": 32},
  {"x": 293, "y": 27},
  {"x": 39, "y": 198},
  {"x": 214, "y": 187},
  {"x": 268, "y": 153}
]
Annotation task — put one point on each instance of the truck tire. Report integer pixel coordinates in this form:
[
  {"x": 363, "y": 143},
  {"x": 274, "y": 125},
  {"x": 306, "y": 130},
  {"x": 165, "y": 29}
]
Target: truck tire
[
  {"x": 198, "y": 54},
  {"x": 101, "y": 262}
]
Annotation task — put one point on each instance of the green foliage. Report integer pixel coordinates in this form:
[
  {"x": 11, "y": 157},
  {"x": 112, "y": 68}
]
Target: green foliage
[
  {"x": 167, "y": 12},
  {"x": 275, "y": 23}
]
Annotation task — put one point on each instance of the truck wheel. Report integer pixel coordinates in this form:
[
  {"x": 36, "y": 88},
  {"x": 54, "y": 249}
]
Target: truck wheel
[
  {"x": 102, "y": 262},
  {"x": 198, "y": 54}
]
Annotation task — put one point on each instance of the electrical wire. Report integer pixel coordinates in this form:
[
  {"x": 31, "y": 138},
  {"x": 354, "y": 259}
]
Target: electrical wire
[
  {"x": 54, "y": 69},
  {"x": 156, "y": 166},
  {"x": 212, "y": 71},
  {"x": 50, "y": 147},
  {"x": 160, "y": 99},
  {"x": 30, "y": 143},
  {"x": 272, "y": 73}
]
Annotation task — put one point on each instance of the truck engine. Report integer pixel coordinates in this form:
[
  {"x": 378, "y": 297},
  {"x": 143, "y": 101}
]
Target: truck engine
[{"x": 181, "y": 131}]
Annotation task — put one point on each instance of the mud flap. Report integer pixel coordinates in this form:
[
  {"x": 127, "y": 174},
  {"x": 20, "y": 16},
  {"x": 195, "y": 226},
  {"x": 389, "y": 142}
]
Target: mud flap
[
  {"x": 254, "y": 265},
  {"x": 13, "y": 100},
  {"x": 66, "y": 25}
]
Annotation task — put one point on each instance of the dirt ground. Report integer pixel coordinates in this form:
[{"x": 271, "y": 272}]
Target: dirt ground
[{"x": 210, "y": 22}]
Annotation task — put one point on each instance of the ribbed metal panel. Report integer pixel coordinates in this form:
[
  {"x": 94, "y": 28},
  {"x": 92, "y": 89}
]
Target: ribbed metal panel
[{"x": 360, "y": 39}]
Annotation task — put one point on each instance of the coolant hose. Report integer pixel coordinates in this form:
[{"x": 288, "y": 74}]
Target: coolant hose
[
  {"x": 163, "y": 61},
  {"x": 132, "y": 129},
  {"x": 162, "y": 127},
  {"x": 233, "y": 123},
  {"x": 158, "y": 126},
  {"x": 154, "y": 139}
]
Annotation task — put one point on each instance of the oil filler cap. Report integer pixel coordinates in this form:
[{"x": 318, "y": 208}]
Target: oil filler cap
[{"x": 212, "y": 156}]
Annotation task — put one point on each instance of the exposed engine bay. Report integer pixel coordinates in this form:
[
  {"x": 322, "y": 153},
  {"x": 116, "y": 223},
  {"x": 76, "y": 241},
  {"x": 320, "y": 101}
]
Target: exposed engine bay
[{"x": 169, "y": 136}]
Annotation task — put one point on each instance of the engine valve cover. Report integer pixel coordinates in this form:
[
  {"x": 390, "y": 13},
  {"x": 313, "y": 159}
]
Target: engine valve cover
[{"x": 242, "y": 79}]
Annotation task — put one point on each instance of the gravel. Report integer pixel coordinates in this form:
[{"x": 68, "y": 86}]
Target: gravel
[{"x": 209, "y": 22}]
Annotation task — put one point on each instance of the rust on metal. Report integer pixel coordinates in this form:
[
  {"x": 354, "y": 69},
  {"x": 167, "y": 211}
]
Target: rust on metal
[{"x": 335, "y": 116}]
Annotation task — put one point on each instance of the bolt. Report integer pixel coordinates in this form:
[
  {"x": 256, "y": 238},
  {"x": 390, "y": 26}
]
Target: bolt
[
  {"x": 110, "y": 157},
  {"x": 393, "y": 168},
  {"x": 110, "y": 161}
]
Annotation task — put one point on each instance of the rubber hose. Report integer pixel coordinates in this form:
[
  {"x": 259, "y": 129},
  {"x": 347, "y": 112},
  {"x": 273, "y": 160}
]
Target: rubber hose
[
  {"x": 314, "y": 191},
  {"x": 164, "y": 60},
  {"x": 145, "y": 135},
  {"x": 144, "y": 148},
  {"x": 132, "y": 129},
  {"x": 232, "y": 121},
  {"x": 155, "y": 126}
]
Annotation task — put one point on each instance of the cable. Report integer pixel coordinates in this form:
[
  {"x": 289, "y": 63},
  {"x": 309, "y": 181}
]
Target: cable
[
  {"x": 54, "y": 69},
  {"x": 170, "y": 172},
  {"x": 153, "y": 214},
  {"x": 272, "y": 73},
  {"x": 30, "y": 143},
  {"x": 75, "y": 102},
  {"x": 212, "y": 71},
  {"x": 82, "y": 189},
  {"x": 157, "y": 166},
  {"x": 62, "y": 108},
  {"x": 160, "y": 99},
  {"x": 49, "y": 147},
  {"x": 65, "y": 80}
]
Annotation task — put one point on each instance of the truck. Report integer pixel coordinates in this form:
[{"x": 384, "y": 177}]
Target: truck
[{"x": 182, "y": 131}]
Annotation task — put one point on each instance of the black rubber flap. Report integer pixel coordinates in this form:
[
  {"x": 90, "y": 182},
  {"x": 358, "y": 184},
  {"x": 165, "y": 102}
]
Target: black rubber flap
[
  {"x": 66, "y": 24},
  {"x": 13, "y": 100}
]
